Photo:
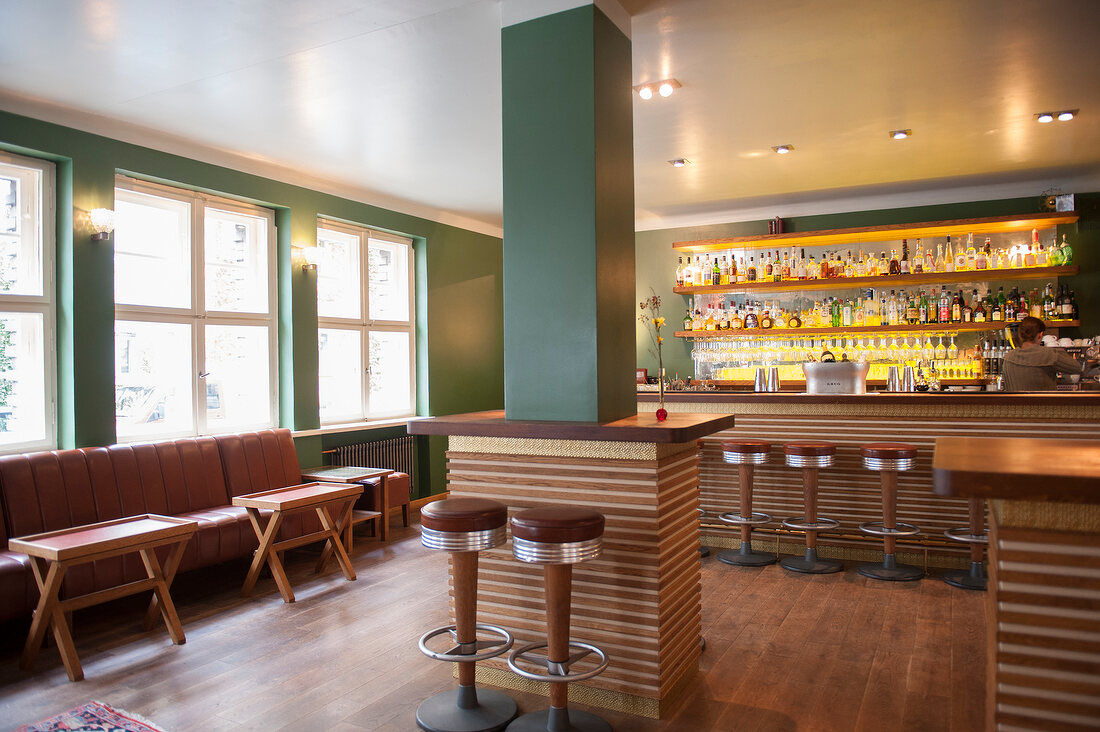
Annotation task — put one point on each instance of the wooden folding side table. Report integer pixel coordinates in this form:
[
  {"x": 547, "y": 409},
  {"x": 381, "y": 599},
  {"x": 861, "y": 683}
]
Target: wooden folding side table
[
  {"x": 351, "y": 474},
  {"x": 319, "y": 497},
  {"x": 53, "y": 552}
]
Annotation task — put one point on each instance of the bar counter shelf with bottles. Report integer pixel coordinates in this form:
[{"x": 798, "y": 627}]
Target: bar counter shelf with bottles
[{"x": 939, "y": 304}]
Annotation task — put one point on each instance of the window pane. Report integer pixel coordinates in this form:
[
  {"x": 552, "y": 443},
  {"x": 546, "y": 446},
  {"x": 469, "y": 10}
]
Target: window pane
[
  {"x": 20, "y": 230},
  {"x": 236, "y": 262},
  {"x": 390, "y": 388},
  {"x": 338, "y": 275},
  {"x": 153, "y": 379},
  {"x": 389, "y": 280},
  {"x": 340, "y": 367},
  {"x": 152, "y": 250},
  {"x": 238, "y": 385},
  {"x": 22, "y": 381}
]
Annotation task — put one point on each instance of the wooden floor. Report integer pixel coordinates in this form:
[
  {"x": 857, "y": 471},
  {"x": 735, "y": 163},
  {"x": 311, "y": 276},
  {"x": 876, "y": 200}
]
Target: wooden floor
[{"x": 784, "y": 652}]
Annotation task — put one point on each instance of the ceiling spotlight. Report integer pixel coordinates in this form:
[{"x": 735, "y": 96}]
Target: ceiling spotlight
[
  {"x": 1045, "y": 117},
  {"x": 1067, "y": 115},
  {"x": 678, "y": 162},
  {"x": 665, "y": 87},
  {"x": 783, "y": 149},
  {"x": 900, "y": 134}
]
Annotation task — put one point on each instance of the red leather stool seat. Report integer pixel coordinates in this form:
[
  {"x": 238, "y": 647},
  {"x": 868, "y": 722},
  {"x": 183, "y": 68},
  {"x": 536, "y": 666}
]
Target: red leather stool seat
[
  {"x": 557, "y": 525},
  {"x": 463, "y": 515}
]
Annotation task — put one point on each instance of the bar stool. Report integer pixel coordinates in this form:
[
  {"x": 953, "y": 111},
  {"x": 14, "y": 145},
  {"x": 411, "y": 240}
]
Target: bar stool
[
  {"x": 977, "y": 536},
  {"x": 888, "y": 458},
  {"x": 557, "y": 538},
  {"x": 746, "y": 455},
  {"x": 704, "y": 550},
  {"x": 465, "y": 526},
  {"x": 810, "y": 455}
]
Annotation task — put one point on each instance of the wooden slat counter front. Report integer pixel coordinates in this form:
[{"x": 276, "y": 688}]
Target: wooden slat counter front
[
  {"x": 847, "y": 491},
  {"x": 640, "y": 601},
  {"x": 1044, "y": 582}
]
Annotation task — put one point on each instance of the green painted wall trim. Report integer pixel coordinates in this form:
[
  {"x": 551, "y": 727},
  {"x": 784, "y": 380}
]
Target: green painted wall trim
[
  {"x": 568, "y": 218},
  {"x": 656, "y": 259},
  {"x": 459, "y": 296}
]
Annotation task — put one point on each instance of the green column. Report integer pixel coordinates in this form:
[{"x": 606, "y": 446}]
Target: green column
[{"x": 568, "y": 219}]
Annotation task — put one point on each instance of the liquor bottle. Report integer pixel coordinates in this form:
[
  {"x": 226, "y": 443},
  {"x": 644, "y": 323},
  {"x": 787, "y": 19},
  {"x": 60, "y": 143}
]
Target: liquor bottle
[
  {"x": 723, "y": 317},
  {"x": 733, "y": 270},
  {"x": 987, "y": 357},
  {"x": 697, "y": 273},
  {"x": 912, "y": 311},
  {"x": 968, "y": 307},
  {"x": 944, "y": 306},
  {"x": 957, "y": 308},
  {"x": 834, "y": 313},
  {"x": 929, "y": 259},
  {"x": 1030, "y": 259},
  {"x": 736, "y": 321},
  {"x": 903, "y": 265},
  {"x": 940, "y": 265},
  {"x": 777, "y": 268},
  {"x": 847, "y": 314},
  {"x": 871, "y": 309},
  {"x": 981, "y": 259},
  {"x": 883, "y": 264},
  {"x": 687, "y": 320},
  {"x": 918, "y": 261},
  {"x": 679, "y": 271},
  {"x": 979, "y": 309},
  {"x": 766, "y": 269},
  {"x": 1074, "y": 313},
  {"x": 750, "y": 275},
  {"x": 800, "y": 273},
  {"x": 849, "y": 265},
  {"x": 688, "y": 275},
  {"x": 949, "y": 257},
  {"x": 895, "y": 265},
  {"x": 996, "y": 310},
  {"x": 1009, "y": 307},
  {"x": 1055, "y": 257},
  {"x": 1065, "y": 308},
  {"x": 766, "y": 319},
  {"x": 1041, "y": 257},
  {"x": 716, "y": 272},
  {"x": 709, "y": 323},
  {"x": 824, "y": 269},
  {"x": 785, "y": 273},
  {"x": 923, "y": 306},
  {"x": 697, "y": 320},
  {"x": 795, "y": 321},
  {"x": 741, "y": 270},
  {"x": 752, "y": 320},
  {"x": 960, "y": 256},
  {"x": 1036, "y": 309},
  {"x": 1067, "y": 252}
]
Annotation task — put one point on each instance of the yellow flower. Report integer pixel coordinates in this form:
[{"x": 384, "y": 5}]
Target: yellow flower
[
  {"x": 660, "y": 339},
  {"x": 659, "y": 321}
]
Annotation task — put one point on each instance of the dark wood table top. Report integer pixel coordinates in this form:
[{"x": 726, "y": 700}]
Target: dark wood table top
[
  {"x": 1017, "y": 468},
  {"x": 679, "y": 427},
  {"x": 298, "y": 496},
  {"x": 106, "y": 536}
]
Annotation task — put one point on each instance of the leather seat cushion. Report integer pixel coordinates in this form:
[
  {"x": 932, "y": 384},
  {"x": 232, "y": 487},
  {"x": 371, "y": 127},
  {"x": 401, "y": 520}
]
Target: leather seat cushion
[
  {"x": 463, "y": 515},
  {"x": 557, "y": 524}
]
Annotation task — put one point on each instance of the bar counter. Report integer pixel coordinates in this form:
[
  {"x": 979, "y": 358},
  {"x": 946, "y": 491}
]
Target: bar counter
[{"x": 848, "y": 492}]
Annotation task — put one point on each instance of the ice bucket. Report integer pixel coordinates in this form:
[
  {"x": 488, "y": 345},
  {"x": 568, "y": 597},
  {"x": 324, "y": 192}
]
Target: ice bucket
[{"x": 837, "y": 377}]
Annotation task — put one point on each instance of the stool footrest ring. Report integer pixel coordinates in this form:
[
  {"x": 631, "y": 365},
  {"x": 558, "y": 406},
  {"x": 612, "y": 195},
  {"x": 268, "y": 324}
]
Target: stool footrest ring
[
  {"x": 875, "y": 528},
  {"x": 754, "y": 519},
  {"x": 963, "y": 534},
  {"x": 465, "y": 652},
  {"x": 556, "y": 671},
  {"x": 801, "y": 524}
]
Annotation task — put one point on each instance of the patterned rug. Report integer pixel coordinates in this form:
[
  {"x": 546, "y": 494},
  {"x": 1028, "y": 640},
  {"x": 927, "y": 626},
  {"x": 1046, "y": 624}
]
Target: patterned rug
[{"x": 92, "y": 717}]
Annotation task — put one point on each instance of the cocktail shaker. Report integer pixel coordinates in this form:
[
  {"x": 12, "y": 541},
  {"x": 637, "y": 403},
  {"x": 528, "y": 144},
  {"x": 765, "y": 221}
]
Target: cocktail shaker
[{"x": 761, "y": 381}]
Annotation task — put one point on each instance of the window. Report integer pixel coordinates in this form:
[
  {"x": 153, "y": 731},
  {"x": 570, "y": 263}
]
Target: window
[
  {"x": 194, "y": 303},
  {"x": 27, "y": 353},
  {"x": 365, "y": 334}
]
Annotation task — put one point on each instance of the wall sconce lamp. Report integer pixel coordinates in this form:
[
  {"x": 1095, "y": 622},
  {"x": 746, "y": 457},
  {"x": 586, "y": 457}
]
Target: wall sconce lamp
[
  {"x": 665, "y": 87},
  {"x": 103, "y": 221},
  {"x": 310, "y": 257}
]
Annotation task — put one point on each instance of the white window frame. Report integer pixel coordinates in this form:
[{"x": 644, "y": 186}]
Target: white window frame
[
  {"x": 45, "y": 304},
  {"x": 365, "y": 324},
  {"x": 197, "y": 315}
]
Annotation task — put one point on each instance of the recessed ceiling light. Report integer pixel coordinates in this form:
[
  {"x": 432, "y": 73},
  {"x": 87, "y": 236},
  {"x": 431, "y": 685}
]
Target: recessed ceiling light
[
  {"x": 900, "y": 134},
  {"x": 664, "y": 87},
  {"x": 1067, "y": 115},
  {"x": 783, "y": 149},
  {"x": 1045, "y": 117},
  {"x": 678, "y": 162}
]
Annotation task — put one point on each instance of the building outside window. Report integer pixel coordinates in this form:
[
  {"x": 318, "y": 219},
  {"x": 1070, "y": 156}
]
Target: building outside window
[
  {"x": 195, "y": 338},
  {"x": 366, "y": 333},
  {"x": 27, "y": 342}
]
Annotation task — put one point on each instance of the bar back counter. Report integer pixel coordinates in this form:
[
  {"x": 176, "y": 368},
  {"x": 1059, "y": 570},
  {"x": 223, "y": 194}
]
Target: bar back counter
[{"x": 847, "y": 491}]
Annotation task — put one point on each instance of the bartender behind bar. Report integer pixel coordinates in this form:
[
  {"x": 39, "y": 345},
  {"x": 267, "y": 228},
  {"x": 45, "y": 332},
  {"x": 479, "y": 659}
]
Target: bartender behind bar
[{"x": 1035, "y": 367}]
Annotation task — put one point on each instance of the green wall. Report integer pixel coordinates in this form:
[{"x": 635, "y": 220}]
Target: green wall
[
  {"x": 568, "y": 218},
  {"x": 458, "y": 297},
  {"x": 656, "y": 259}
]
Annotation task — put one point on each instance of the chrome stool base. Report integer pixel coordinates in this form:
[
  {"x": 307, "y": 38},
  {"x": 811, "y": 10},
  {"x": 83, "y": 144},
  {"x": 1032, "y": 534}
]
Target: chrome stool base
[
  {"x": 975, "y": 579},
  {"x": 559, "y": 720},
  {"x": 466, "y": 709},
  {"x": 890, "y": 570},
  {"x": 704, "y": 550},
  {"x": 811, "y": 564},
  {"x": 745, "y": 557}
]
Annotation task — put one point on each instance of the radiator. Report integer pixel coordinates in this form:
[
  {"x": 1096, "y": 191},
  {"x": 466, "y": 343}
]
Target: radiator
[{"x": 397, "y": 454}]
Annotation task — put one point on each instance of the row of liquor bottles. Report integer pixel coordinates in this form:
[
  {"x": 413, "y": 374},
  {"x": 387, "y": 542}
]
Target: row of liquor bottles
[
  {"x": 792, "y": 266},
  {"x": 915, "y": 307}
]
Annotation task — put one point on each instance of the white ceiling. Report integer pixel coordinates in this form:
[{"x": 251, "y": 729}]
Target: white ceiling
[{"x": 397, "y": 102}]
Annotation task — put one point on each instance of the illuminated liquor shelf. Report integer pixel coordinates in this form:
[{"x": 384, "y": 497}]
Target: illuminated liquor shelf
[{"x": 865, "y": 329}]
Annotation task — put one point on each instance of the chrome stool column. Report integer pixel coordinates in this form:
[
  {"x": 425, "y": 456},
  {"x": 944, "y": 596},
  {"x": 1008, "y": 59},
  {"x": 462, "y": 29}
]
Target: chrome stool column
[
  {"x": 810, "y": 456},
  {"x": 557, "y": 538},
  {"x": 746, "y": 455},
  {"x": 977, "y": 536},
  {"x": 465, "y": 526},
  {"x": 704, "y": 550},
  {"x": 888, "y": 458}
]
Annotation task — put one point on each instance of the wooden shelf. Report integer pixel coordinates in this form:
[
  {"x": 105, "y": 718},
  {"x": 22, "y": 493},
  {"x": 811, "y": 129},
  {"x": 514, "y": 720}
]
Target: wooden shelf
[
  {"x": 889, "y": 232},
  {"x": 861, "y": 330},
  {"x": 886, "y": 281}
]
